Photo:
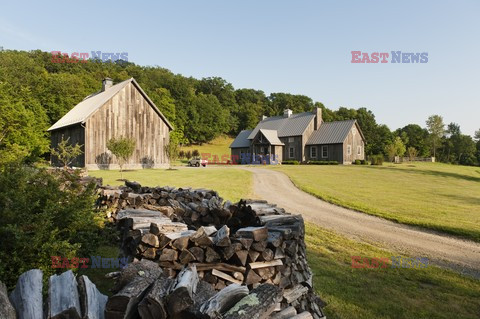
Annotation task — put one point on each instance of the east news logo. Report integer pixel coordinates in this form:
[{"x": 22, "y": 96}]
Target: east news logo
[{"x": 394, "y": 56}]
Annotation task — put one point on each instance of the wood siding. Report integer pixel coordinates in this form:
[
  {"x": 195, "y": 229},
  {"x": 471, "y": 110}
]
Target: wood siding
[
  {"x": 76, "y": 135},
  {"x": 126, "y": 114},
  {"x": 335, "y": 153},
  {"x": 296, "y": 144},
  {"x": 354, "y": 140},
  {"x": 306, "y": 135}
]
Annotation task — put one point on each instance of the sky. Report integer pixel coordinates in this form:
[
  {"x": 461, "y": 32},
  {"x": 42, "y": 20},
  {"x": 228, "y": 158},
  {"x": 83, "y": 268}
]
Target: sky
[{"x": 298, "y": 47}]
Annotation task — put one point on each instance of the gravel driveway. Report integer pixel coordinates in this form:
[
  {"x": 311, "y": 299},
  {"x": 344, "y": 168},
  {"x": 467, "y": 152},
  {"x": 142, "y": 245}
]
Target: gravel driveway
[{"x": 443, "y": 250}]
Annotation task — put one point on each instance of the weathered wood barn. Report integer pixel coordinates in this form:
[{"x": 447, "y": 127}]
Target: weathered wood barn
[
  {"x": 121, "y": 110},
  {"x": 302, "y": 137}
]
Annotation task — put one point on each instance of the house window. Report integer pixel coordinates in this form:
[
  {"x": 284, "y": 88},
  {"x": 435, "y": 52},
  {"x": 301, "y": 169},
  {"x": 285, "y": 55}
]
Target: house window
[
  {"x": 324, "y": 151},
  {"x": 359, "y": 150},
  {"x": 291, "y": 140},
  {"x": 291, "y": 152},
  {"x": 349, "y": 149},
  {"x": 313, "y": 152}
]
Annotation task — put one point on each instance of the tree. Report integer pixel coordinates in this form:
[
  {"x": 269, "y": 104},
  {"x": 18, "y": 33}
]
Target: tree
[
  {"x": 436, "y": 128},
  {"x": 417, "y": 138},
  {"x": 396, "y": 148},
  {"x": 66, "y": 153},
  {"x": 412, "y": 153},
  {"x": 122, "y": 148},
  {"x": 172, "y": 152}
]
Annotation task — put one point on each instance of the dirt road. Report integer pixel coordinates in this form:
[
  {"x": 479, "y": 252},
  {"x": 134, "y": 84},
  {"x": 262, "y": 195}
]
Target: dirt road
[{"x": 443, "y": 250}]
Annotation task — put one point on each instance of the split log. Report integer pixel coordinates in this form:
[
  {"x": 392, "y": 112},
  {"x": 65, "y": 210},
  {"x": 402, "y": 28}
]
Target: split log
[
  {"x": 168, "y": 255},
  {"x": 124, "y": 304},
  {"x": 252, "y": 277},
  {"x": 225, "y": 276},
  {"x": 303, "y": 315},
  {"x": 182, "y": 296},
  {"x": 211, "y": 255},
  {"x": 286, "y": 313},
  {"x": 27, "y": 297},
  {"x": 154, "y": 304},
  {"x": 151, "y": 239},
  {"x": 256, "y": 233},
  {"x": 261, "y": 264},
  {"x": 6, "y": 308},
  {"x": 223, "y": 300},
  {"x": 63, "y": 300},
  {"x": 202, "y": 236},
  {"x": 222, "y": 238},
  {"x": 219, "y": 266},
  {"x": 143, "y": 268},
  {"x": 198, "y": 253},
  {"x": 92, "y": 301},
  {"x": 186, "y": 257},
  {"x": 258, "y": 304},
  {"x": 294, "y": 293}
]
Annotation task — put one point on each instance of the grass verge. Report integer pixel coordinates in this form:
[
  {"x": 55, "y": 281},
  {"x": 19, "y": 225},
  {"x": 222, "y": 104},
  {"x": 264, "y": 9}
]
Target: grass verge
[{"x": 398, "y": 293}]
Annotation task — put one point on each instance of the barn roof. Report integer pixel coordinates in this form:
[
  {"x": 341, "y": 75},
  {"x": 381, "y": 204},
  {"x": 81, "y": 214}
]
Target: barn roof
[
  {"x": 83, "y": 110},
  {"x": 271, "y": 136},
  {"x": 294, "y": 125},
  {"x": 241, "y": 141},
  {"x": 331, "y": 132}
]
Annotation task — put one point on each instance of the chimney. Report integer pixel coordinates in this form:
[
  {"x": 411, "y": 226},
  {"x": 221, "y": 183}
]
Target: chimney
[
  {"x": 264, "y": 117},
  {"x": 287, "y": 113},
  {"x": 318, "y": 117},
  {"x": 106, "y": 84}
]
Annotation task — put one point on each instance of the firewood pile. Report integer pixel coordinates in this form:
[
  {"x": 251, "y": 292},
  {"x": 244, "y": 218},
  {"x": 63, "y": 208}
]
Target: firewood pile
[{"x": 249, "y": 244}]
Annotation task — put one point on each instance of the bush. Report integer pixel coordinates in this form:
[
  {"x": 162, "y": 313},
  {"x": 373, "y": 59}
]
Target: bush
[
  {"x": 44, "y": 213},
  {"x": 357, "y": 162},
  {"x": 195, "y": 153},
  {"x": 376, "y": 159},
  {"x": 188, "y": 155},
  {"x": 291, "y": 162},
  {"x": 323, "y": 163},
  {"x": 181, "y": 154},
  {"x": 363, "y": 162}
]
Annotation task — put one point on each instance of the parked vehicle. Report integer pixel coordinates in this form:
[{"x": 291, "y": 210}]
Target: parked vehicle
[{"x": 197, "y": 161}]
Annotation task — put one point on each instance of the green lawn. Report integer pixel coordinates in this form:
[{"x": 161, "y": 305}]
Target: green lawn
[
  {"x": 433, "y": 195},
  {"x": 386, "y": 292},
  {"x": 232, "y": 184}
]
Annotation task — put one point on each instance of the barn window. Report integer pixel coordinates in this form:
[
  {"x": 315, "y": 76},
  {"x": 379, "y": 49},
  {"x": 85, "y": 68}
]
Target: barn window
[
  {"x": 313, "y": 152},
  {"x": 359, "y": 150},
  {"x": 324, "y": 151},
  {"x": 291, "y": 140},
  {"x": 349, "y": 149},
  {"x": 291, "y": 152}
]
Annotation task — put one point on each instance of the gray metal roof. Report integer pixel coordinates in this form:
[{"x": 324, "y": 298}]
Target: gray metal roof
[
  {"x": 271, "y": 136},
  {"x": 294, "y": 125},
  {"x": 83, "y": 110},
  {"x": 331, "y": 132},
  {"x": 241, "y": 141}
]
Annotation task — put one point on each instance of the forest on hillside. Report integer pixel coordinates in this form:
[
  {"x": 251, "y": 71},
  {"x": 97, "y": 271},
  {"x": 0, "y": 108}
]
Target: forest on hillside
[{"x": 35, "y": 93}]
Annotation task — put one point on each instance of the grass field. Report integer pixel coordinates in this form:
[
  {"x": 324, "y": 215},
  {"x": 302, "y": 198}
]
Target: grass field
[
  {"x": 432, "y": 195},
  {"x": 232, "y": 184},
  {"x": 386, "y": 292}
]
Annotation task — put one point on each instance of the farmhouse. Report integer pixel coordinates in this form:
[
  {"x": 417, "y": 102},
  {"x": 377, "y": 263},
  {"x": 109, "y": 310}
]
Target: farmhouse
[
  {"x": 121, "y": 110},
  {"x": 302, "y": 137}
]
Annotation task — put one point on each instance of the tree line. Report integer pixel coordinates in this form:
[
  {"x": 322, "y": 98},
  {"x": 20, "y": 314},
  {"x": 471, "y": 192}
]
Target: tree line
[{"x": 35, "y": 93}]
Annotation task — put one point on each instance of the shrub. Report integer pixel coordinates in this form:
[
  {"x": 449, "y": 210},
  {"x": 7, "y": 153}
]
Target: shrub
[
  {"x": 66, "y": 153},
  {"x": 323, "y": 163},
  {"x": 376, "y": 159},
  {"x": 363, "y": 162},
  {"x": 195, "y": 153},
  {"x": 291, "y": 162},
  {"x": 357, "y": 162},
  {"x": 188, "y": 155},
  {"x": 181, "y": 154},
  {"x": 44, "y": 213}
]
